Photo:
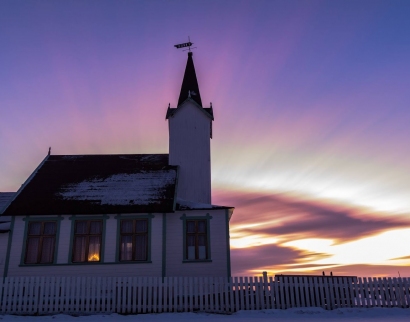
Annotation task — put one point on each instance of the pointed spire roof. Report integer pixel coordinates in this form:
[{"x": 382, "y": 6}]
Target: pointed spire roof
[{"x": 190, "y": 86}]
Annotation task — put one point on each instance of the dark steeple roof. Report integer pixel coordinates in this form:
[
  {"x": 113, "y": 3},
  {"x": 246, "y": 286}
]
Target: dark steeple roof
[{"x": 190, "y": 83}]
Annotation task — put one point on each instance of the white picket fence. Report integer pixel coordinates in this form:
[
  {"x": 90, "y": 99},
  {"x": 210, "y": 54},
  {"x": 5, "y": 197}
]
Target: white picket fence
[{"x": 85, "y": 295}]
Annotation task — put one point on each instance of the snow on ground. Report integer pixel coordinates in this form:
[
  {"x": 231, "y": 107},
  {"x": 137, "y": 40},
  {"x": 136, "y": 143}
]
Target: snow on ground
[{"x": 290, "y": 315}]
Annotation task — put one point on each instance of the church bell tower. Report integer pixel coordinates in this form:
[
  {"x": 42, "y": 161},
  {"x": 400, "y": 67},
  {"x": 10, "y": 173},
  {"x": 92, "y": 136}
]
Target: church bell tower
[{"x": 190, "y": 133}]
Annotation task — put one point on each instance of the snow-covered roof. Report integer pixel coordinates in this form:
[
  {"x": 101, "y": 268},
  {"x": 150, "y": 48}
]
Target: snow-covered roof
[{"x": 98, "y": 184}]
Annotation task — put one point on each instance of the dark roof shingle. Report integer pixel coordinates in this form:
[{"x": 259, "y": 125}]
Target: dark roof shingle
[{"x": 98, "y": 184}]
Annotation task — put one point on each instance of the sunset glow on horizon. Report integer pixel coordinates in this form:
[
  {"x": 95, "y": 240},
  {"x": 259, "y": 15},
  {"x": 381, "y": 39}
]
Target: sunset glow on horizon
[{"x": 311, "y": 138}]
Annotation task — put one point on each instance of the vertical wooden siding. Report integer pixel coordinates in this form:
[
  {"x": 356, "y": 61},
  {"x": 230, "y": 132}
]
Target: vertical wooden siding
[
  {"x": 48, "y": 295},
  {"x": 190, "y": 148}
]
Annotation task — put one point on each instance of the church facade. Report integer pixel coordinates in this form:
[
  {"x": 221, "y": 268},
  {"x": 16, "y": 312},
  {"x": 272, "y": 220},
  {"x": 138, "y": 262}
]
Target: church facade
[{"x": 127, "y": 214}]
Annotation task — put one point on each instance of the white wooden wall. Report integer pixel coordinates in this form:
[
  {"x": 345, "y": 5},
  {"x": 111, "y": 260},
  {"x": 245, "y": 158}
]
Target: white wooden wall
[
  {"x": 174, "y": 250},
  {"x": 4, "y": 237},
  {"x": 47, "y": 295},
  {"x": 190, "y": 148}
]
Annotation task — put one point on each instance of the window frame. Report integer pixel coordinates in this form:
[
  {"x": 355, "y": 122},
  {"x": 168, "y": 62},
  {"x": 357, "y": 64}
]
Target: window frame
[
  {"x": 185, "y": 219},
  {"x": 87, "y": 236},
  {"x": 196, "y": 234},
  {"x": 133, "y": 235},
  {"x": 75, "y": 218},
  {"x": 120, "y": 218},
  {"x": 28, "y": 220}
]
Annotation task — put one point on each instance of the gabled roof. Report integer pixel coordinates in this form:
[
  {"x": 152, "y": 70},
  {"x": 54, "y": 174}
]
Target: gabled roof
[
  {"x": 98, "y": 184},
  {"x": 189, "y": 85}
]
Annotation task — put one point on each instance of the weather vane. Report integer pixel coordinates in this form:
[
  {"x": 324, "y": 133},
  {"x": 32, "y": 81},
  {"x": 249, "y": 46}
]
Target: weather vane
[{"x": 185, "y": 44}]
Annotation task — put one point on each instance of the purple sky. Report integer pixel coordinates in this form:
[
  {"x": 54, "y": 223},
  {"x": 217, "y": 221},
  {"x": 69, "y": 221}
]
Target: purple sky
[{"x": 311, "y": 101}]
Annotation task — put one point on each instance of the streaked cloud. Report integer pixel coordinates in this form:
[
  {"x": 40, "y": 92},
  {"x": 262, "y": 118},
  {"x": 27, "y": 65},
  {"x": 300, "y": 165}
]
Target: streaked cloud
[{"x": 316, "y": 235}]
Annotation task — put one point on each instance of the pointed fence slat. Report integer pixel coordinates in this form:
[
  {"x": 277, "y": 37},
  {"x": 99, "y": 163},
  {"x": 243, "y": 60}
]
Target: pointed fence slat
[
  {"x": 402, "y": 292},
  {"x": 29, "y": 292},
  {"x": 22, "y": 296},
  {"x": 241, "y": 294},
  {"x": 60, "y": 294},
  {"x": 271, "y": 294},
  {"x": 286, "y": 292},
  {"x": 360, "y": 294},
  {"x": 282, "y": 290},
  {"x": 252, "y": 297},
  {"x": 337, "y": 293},
  {"x": 396, "y": 294},
  {"x": 351, "y": 291},
  {"x": 377, "y": 292},
  {"x": 149, "y": 296},
  {"x": 384, "y": 300},
  {"x": 106, "y": 295},
  {"x": 238, "y": 292},
  {"x": 256, "y": 296},
  {"x": 300, "y": 289},
  {"x": 311, "y": 301},
  {"x": 355, "y": 293},
  {"x": 15, "y": 295},
  {"x": 215, "y": 294},
  {"x": 297, "y": 289},
  {"x": 190, "y": 294},
  {"x": 406, "y": 292},
  {"x": 387, "y": 293},
  {"x": 365, "y": 293},
  {"x": 373, "y": 290},
  {"x": 275, "y": 294},
  {"x": 6, "y": 296},
  {"x": 320, "y": 290},
  {"x": 262, "y": 291}
]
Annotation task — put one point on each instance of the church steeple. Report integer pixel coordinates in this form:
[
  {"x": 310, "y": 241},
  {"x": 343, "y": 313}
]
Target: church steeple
[
  {"x": 190, "y": 131},
  {"x": 190, "y": 86}
]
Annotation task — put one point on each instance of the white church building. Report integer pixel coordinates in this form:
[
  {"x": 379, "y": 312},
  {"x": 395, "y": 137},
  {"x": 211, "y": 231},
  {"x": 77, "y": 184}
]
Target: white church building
[{"x": 125, "y": 214}]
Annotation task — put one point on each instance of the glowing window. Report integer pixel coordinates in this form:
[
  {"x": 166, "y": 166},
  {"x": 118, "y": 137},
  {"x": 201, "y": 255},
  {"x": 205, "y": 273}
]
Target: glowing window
[{"x": 87, "y": 241}]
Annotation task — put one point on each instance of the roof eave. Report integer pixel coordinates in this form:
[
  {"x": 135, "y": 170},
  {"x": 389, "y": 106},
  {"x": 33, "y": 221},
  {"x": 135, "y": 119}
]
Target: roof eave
[
  {"x": 24, "y": 185},
  {"x": 172, "y": 111}
]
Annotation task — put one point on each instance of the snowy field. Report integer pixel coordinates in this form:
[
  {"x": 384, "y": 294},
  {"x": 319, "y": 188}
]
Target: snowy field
[{"x": 290, "y": 315}]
